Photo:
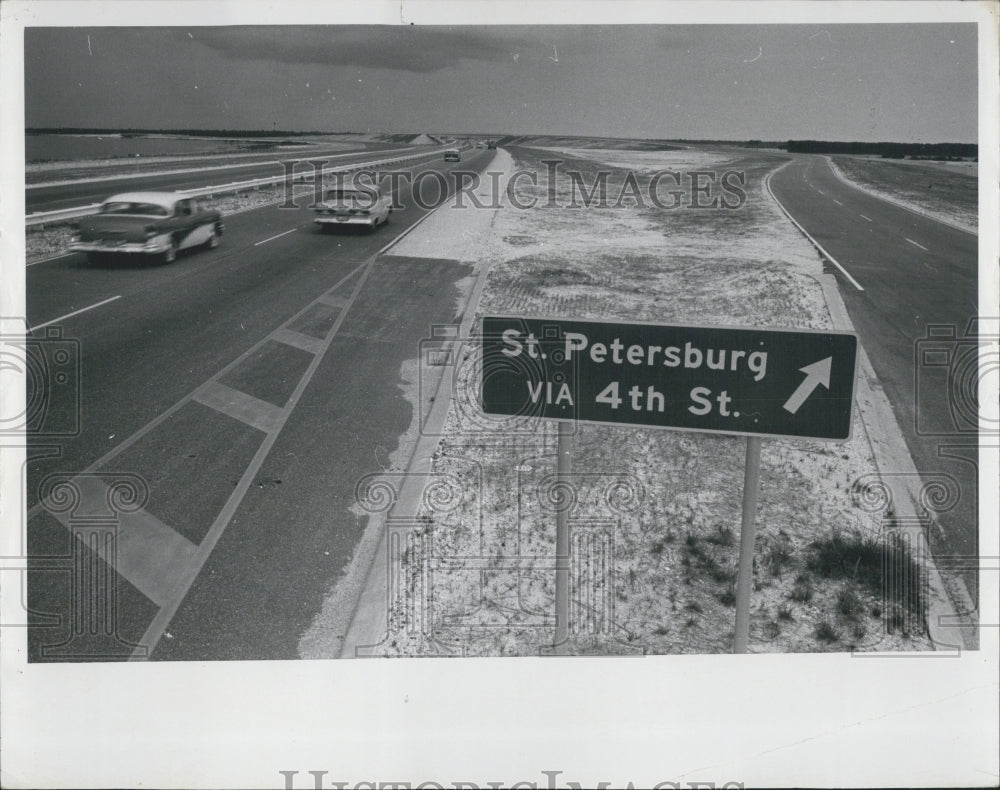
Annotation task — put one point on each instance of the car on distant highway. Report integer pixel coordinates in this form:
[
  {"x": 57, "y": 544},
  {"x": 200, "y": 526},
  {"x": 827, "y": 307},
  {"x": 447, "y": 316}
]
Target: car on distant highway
[
  {"x": 345, "y": 205},
  {"x": 147, "y": 223},
  {"x": 452, "y": 155}
]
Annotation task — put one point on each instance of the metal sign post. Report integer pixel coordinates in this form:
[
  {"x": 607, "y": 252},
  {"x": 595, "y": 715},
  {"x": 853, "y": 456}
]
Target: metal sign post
[
  {"x": 796, "y": 384},
  {"x": 563, "y": 466},
  {"x": 748, "y": 531}
]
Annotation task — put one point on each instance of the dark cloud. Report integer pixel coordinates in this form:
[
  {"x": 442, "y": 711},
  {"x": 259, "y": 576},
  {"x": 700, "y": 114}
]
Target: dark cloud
[{"x": 417, "y": 49}]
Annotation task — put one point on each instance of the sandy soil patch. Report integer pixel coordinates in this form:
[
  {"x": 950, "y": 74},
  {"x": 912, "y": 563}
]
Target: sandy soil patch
[{"x": 655, "y": 514}]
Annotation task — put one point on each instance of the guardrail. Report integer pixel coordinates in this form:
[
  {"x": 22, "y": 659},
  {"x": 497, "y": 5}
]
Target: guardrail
[{"x": 43, "y": 218}]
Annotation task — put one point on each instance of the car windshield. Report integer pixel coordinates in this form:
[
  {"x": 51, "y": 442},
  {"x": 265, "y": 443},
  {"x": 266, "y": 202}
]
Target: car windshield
[
  {"x": 128, "y": 207},
  {"x": 350, "y": 196}
]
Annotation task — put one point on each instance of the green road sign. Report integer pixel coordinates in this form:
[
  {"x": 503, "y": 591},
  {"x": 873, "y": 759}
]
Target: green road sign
[{"x": 760, "y": 382}]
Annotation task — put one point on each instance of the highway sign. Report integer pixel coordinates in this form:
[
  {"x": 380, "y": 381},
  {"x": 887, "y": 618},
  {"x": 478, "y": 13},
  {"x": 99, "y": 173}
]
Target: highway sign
[{"x": 759, "y": 382}]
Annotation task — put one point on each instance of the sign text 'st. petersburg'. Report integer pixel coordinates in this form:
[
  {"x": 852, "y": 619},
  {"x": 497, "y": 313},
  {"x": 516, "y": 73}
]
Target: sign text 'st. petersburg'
[{"x": 754, "y": 381}]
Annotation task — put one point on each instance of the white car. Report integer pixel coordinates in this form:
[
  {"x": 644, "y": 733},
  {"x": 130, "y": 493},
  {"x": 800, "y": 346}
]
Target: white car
[{"x": 353, "y": 206}]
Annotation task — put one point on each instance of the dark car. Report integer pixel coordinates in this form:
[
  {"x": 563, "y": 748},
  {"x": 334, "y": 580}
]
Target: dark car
[{"x": 147, "y": 223}]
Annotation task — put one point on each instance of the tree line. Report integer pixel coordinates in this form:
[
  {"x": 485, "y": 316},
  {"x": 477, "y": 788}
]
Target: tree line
[{"x": 887, "y": 150}]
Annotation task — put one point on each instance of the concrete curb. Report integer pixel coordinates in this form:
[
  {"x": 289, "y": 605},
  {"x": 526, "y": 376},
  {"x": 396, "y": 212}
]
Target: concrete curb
[
  {"x": 369, "y": 621},
  {"x": 901, "y": 204},
  {"x": 944, "y": 624}
]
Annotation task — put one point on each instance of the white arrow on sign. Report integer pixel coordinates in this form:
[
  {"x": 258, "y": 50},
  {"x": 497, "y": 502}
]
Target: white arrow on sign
[{"x": 817, "y": 373}]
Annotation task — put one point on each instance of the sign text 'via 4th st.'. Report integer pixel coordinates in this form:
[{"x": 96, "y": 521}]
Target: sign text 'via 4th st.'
[{"x": 724, "y": 380}]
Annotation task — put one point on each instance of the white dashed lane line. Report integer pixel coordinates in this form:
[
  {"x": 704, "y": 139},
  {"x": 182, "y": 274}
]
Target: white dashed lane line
[
  {"x": 867, "y": 219},
  {"x": 837, "y": 202},
  {"x": 921, "y": 246},
  {"x": 272, "y": 238},
  {"x": 75, "y": 312}
]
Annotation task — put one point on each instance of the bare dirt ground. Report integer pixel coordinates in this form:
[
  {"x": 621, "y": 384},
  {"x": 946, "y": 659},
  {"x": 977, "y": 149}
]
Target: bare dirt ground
[
  {"x": 655, "y": 514},
  {"x": 939, "y": 189}
]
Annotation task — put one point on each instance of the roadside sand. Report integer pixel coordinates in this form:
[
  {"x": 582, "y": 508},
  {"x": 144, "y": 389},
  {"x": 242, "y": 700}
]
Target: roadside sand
[{"x": 657, "y": 512}]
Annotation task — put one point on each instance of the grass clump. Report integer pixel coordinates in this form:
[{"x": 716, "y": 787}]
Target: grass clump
[
  {"x": 849, "y": 605},
  {"x": 825, "y": 632},
  {"x": 723, "y": 536},
  {"x": 777, "y": 554},
  {"x": 803, "y": 589},
  {"x": 885, "y": 567}
]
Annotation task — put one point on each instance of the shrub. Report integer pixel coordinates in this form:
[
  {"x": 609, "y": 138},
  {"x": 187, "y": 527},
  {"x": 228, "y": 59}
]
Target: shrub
[
  {"x": 848, "y": 604},
  {"x": 885, "y": 567},
  {"x": 803, "y": 589},
  {"x": 723, "y": 536},
  {"x": 825, "y": 632}
]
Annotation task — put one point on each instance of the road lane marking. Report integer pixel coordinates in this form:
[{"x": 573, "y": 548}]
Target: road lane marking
[
  {"x": 189, "y": 574},
  {"x": 332, "y": 300},
  {"x": 272, "y": 238},
  {"x": 51, "y": 258},
  {"x": 921, "y": 246},
  {"x": 290, "y": 337},
  {"x": 145, "y": 551},
  {"x": 898, "y": 204},
  {"x": 816, "y": 244},
  {"x": 869, "y": 219},
  {"x": 240, "y": 406},
  {"x": 837, "y": 202},
  {"x": 75, "y": 312}
]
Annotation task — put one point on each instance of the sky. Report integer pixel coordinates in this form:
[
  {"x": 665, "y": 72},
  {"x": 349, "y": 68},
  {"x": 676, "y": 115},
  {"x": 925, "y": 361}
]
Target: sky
[{"x": 900, "y": 82}]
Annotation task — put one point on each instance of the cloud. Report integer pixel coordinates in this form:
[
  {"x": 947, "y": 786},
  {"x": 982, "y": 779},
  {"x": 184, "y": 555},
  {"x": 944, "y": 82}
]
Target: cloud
[{"x": 417, "y": 49}]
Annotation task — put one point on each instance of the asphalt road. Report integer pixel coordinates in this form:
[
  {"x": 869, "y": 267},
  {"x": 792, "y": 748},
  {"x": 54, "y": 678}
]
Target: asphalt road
[
  {"x": 67, "y": 189},
  {"x": 244, "y": 391},
  {"x": 901, "y": 274}
]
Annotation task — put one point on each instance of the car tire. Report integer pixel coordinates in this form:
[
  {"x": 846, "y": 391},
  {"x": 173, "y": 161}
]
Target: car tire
[
  {"x": 170, "y": 254},
  {"x": 213, "y": 240}
]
